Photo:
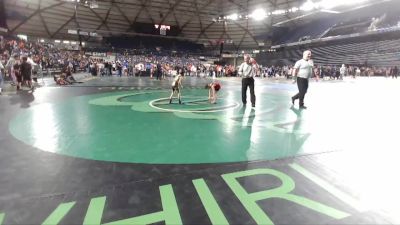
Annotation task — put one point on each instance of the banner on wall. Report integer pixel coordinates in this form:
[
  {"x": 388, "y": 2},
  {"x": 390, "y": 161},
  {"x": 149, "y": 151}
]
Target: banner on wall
[{"x": 106, "y": 56}]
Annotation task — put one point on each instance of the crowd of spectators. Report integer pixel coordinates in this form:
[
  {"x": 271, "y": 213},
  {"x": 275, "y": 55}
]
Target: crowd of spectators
[
  {"x": 45, "y": 56},
  {"x": 139, "y": 65},
  {"x": 332, "y": 72}
]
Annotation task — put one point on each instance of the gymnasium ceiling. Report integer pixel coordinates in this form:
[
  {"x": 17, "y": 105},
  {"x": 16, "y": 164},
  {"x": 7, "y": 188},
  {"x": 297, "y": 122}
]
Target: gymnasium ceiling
[{"x": 201, "y": 21}]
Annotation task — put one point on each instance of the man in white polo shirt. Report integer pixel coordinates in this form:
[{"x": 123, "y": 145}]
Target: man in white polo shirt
[
  {"x": 247, "y": 71},
  {"x": 302, "y": 71}
]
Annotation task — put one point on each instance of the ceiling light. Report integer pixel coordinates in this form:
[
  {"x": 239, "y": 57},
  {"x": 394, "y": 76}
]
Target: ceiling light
[
  {"x": 93, "y": 4},
  {"x": 233, "y": 16},
  {"x": 308, "y": 6},
  {"x": 258, "y": 14},
  {"x": 278, "y": 12}
]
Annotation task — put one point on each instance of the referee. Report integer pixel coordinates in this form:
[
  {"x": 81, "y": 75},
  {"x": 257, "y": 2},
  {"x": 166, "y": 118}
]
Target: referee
[
  {"x": 247, "y": 71},
  {"x": 303, "y": 70}
]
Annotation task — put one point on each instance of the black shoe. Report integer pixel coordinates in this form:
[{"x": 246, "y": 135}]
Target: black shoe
[
  {"x": 170, "y": 101},
  {"x": 180, "y": 101},
  {"x": 303, "y": 107},
  {"x": 293, "y": 100},
  {"x": 253, "y": 105}
]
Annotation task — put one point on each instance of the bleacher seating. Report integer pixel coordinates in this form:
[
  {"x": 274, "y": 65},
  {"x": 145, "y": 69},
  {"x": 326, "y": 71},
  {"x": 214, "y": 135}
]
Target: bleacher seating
[
  {"x": 282, "y": 35},
  {"x": 376, "y": 53}
]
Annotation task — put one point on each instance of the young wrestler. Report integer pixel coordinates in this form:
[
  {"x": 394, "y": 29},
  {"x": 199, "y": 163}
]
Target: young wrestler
[
  {"x": 213, "y": 88},
  {"x": 177, "y": 86}
]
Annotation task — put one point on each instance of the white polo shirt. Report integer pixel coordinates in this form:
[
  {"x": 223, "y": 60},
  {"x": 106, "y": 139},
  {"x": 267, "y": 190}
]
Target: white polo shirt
[
  {"x": 305, "y": 68},
  {"x": 247, "y": 70}
]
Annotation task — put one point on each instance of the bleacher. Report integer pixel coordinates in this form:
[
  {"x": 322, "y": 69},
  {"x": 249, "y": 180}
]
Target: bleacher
[
  {"x": 375, "y": 53},
  {"x": 314, "y": 29},
  {"x": 381, "y": 53},
  {"x": 347, "y": 38}
]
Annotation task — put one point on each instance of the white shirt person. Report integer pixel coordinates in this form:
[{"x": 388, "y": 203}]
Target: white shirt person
[
  {"x": 247, "y": 71},
  {"x": 303, "y": 70}
]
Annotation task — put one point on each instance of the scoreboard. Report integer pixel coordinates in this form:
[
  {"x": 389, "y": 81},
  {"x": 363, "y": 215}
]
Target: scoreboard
[{"x": 155, "y": 29}]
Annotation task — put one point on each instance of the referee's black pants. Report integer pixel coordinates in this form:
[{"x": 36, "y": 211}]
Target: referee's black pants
[
  {"x": 302, "y": 85},
  {"x": 248, "y": 82}
]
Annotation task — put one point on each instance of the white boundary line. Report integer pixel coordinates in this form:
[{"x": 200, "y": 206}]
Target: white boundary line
[{"x": 188, "y": 111}]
